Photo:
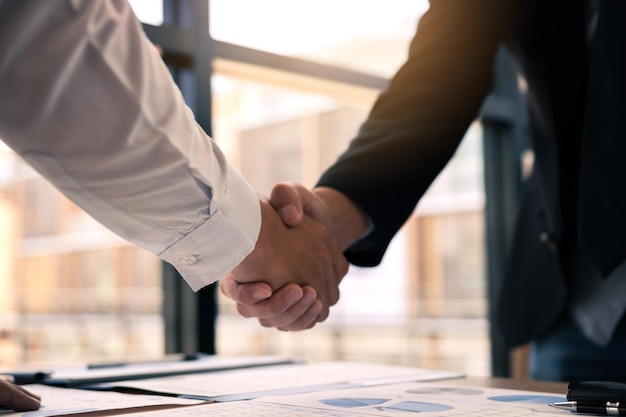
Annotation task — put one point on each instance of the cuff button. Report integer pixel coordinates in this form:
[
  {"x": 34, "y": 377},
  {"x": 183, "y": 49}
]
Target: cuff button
[{"x": 189, "y": 260}]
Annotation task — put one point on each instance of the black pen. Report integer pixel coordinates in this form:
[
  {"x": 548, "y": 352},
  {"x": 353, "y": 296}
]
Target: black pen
[{"x": 606, "y": 409}]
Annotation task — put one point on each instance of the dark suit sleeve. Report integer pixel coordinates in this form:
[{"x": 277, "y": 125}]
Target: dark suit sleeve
[{"x": 417, "y": 123}]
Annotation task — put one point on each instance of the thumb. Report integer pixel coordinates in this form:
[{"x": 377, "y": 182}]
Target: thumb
[{"x": 287, "y": 202}]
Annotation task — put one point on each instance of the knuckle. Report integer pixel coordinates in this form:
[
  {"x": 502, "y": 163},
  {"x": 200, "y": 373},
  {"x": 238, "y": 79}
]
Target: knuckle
[
  {"x": 223, "y": 287},
  {"x": 243, "y": 311},
  {"x": 275, "y": 309},
  {"x": 344, "y": 266},
  {"x": 266, "y": 323},
  {"x": 323, "y": 315}
]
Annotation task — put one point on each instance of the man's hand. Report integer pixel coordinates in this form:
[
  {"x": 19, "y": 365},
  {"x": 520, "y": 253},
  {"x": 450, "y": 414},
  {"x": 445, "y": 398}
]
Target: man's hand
[
  {"x": 17, "y": 398},
  {"x": 294, "y": 307},
  {"x": 292, "y": 201},
  {"x": 305, "y": 255},
  {"x": 291, "y": 308}
]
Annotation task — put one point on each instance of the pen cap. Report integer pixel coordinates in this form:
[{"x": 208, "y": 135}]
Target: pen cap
[{"x": 596, "y": 391}]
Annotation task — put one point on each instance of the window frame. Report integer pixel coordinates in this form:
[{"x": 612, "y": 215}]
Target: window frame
[{"x": 193, "y": 56}]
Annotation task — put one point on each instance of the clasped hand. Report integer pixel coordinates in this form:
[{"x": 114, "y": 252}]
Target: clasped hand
[{"x": 292, "y": 277}]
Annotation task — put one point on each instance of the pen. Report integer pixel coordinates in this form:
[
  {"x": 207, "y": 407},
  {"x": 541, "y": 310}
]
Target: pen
[
  {"x": 605, "y": 409},
  {"x": 169, "y": 358}
]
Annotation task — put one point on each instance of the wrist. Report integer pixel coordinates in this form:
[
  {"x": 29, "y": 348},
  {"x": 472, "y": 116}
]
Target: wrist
[{"x": 347, "y": 220}]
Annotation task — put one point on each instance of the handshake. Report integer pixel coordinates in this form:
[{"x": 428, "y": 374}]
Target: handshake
[{"x": 292, "y": 277}]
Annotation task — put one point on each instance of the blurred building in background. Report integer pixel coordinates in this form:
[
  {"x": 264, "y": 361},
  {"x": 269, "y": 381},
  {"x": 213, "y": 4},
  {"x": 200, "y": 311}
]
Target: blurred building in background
[{"x": 71, "y": 289}]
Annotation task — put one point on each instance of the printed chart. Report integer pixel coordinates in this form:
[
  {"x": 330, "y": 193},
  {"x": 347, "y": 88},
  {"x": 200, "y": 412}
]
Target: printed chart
[{"x": 404, "y": 399}]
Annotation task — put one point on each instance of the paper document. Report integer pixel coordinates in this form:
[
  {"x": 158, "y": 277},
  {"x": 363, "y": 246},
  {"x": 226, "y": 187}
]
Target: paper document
[
  {"x": 394, "y": 400},
  {"x": 66, "y": 401},
  {"x": 404, "y": 399},
  {"x": 77, "y": 376},
  {"x": 281, "y": 380}
]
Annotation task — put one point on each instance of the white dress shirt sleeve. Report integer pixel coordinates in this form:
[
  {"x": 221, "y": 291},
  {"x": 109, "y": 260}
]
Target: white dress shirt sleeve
[{"x": 87, "y": 101}]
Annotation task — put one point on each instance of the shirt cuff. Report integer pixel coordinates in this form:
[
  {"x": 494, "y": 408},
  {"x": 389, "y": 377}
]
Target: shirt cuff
[{"x": 218, "y": 245}]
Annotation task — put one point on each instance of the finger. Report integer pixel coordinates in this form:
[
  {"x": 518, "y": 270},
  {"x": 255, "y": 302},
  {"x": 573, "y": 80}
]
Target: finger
[
  {"x": 307, "y": 320},
  {"x": 246, "y": 294},
  {"x": 30, "y": 394},
  {"x": 294, "y": 313},
  {"x": 323, "y": 314},
  {"x": 287, "y": 202},
  {"x": 341, "y": 266},
  {"x": 335, "y": 267},
  {"x": 18, "y": 398},
  {"x": 282, "y": 300},
  {"x": 312, "y": 205}
]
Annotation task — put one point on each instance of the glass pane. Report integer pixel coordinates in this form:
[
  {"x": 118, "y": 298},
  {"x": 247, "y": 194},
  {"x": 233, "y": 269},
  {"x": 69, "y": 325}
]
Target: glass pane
[
  {"x": 365, "y": 35},
  {"x": 70, "y": 290},
  {"x": 425, "y": 304},
  {"x": 148, "y": 11}
]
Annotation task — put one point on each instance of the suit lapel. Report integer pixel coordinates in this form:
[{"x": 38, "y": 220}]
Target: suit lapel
[{"x": 559, "y": 39}]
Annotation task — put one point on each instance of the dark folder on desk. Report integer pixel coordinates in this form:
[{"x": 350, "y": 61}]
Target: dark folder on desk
[{"x": 89, "y": 375}]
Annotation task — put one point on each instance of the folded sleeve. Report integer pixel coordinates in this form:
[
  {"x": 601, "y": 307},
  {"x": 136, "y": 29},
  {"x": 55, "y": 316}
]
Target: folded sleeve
[{"x": 87, "y": 101}]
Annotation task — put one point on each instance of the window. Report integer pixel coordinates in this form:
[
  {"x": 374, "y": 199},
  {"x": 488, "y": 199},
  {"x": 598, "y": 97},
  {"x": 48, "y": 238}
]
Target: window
[
  {"x": 72, "y": 291},
  {"x": 276, "y": 118},
  {"x": 425, "y": 305}
]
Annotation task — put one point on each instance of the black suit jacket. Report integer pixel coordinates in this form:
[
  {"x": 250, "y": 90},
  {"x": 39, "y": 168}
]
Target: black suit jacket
[{"x": 418, "y": 122}]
